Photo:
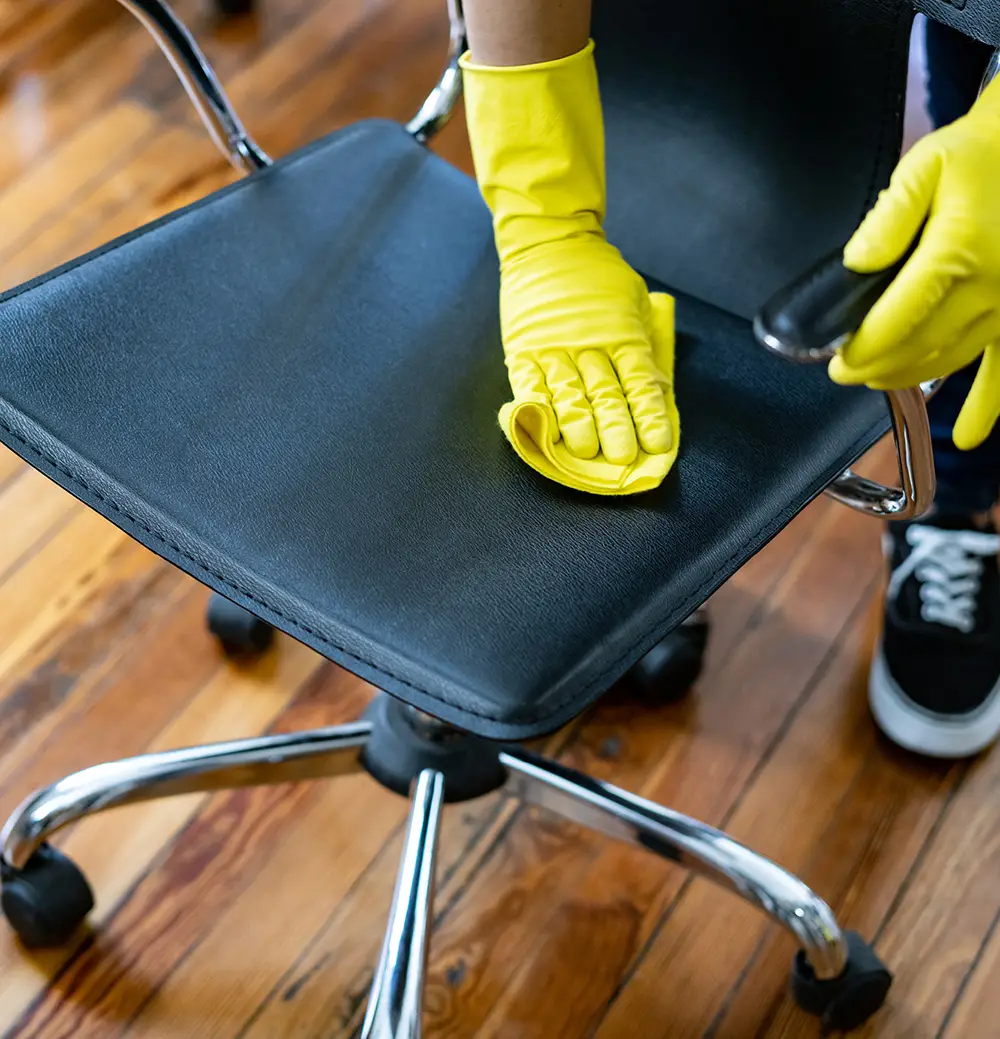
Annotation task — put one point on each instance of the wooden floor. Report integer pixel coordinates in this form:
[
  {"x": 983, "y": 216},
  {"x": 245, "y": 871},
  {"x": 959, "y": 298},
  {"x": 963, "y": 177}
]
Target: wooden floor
[{"x": 258, "y": 914}]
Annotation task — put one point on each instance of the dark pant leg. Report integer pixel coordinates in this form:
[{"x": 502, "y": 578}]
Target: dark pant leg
[{"x": 968, "y": 481}]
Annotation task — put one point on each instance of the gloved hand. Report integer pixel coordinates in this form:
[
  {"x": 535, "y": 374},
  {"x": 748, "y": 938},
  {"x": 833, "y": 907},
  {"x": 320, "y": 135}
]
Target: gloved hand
[
  {"x": 942, "y": 311},
  {"x": 589, "y": 351}
]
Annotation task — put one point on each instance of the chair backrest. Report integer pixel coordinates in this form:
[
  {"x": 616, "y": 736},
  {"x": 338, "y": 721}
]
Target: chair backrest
[{"x": 747, "y": 139}]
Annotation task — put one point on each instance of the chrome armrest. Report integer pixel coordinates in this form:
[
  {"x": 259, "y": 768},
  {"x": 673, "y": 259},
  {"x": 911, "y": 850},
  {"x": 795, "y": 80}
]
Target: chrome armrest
[
  {"x": 808, "y": 322},
  {"x": 914, "y": 458},
  {"x": 201, "y": 84},
  {"x": 817, "y": 315},
  {"x": 219, "y": 116},
  {"x": 440, "y": 104}
]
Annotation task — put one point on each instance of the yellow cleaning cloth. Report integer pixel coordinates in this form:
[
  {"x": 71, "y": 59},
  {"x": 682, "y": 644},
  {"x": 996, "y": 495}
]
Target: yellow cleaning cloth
[
  {"x": 589, "y": 352},
  {"x": 533, "y": 431}
]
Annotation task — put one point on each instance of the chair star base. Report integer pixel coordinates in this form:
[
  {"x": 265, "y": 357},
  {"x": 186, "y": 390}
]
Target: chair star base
[{"x": 45, "y": 897}]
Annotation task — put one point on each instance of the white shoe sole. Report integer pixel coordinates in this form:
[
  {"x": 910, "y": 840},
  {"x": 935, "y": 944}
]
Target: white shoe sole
[{"x": 926, "y": 732}]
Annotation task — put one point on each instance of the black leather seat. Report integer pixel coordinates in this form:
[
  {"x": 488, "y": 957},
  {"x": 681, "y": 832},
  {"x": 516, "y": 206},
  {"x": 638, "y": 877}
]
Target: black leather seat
[
  {"x": 290, "y": 388},
  {"x": 290, "y": 391}
]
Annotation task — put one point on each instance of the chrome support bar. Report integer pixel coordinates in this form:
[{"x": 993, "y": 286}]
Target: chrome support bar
[
  {"x": 201, "y": 84},
  {"x": 687, "y": 842},
  {"x": 911, "y": 428},
  {"x": 440, "y": 104},
  {"x": 221, "y": 766},
  {"x": 914, "y": 451},
  {"x": 396, "y": 1001},
  {"x": 914, "y": 459},
  {"x": 219, "y": 116}
]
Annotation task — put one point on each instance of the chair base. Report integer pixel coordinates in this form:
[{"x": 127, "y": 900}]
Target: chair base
[{"x": 836, "y": 977}]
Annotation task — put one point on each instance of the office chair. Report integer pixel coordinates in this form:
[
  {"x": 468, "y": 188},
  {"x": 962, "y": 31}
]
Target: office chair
[{"x": 289, "y": 390}]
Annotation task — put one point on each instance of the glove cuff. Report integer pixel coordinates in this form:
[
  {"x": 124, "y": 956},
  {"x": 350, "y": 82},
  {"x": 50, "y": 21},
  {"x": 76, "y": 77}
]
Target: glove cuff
[
  {"x": 468, "y": 65},
  {"x": 537, "y": 136}
]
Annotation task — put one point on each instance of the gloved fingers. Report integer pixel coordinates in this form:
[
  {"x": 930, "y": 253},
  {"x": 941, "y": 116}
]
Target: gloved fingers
[
  {"x": 644, "y": 385},
  {"x": 527, "y": 382},
  {"x": 883, "y": 341},
  {"x": 981, "y": 409},
  {"x": 569, "y": 400},
  {"x": 959, "y": 317},
  {"x": 611, "y": 412},
  {"x": 890, "y": 227},
  {"x": 979, "y": 334},
  {"x": 937, "y": 366},
  {"x": 945, "y": 333}
]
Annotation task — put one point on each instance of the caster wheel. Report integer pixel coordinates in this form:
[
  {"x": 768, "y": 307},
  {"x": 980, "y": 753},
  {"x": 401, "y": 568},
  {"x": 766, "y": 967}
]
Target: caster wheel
[
  {"x": 231, "y": 8},
  {"x": 669, "y": 670},
  {"x": 845, "y": 1003},
  {"x": 240, "y": 633},
  {"x": 47, "y": 900}
]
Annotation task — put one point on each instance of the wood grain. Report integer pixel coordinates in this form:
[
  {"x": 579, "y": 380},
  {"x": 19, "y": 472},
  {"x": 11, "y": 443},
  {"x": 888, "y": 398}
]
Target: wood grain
[{"x": 259, "y": 914}]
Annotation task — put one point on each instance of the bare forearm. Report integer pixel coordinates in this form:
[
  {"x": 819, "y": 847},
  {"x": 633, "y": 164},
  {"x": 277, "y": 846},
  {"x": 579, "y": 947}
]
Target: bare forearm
[{"x": 525, "y": 32}]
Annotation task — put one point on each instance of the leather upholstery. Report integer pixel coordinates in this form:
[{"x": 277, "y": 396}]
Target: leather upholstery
[
  {"x": 289, "y": 389},
  {"x": 747, "y": 140}
]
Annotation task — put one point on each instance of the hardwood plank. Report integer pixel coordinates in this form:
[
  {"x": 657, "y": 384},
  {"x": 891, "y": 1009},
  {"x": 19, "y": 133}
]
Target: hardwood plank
[
  {"x": 59, "y": 671},
  {"x": 329, "y": 981},
  {"x": 933, "y": 938},
  {"x": 30, "y": 25},
  {"x": 27, "y": 204},
  {"x": 860, "y": 864},
  {"x": 233, "y": 703},
  {"x": 978, "y": 1005},
  {"x": 10, "y": 466},
  {"x": 230, "y": 45},
  {"x": 139, "y": 191},
  {"x": 135, "y": 636},
  {"x": 41, "y": 594},
  {"x": 53, "y": 101},
  {"x": 163, "y": 917},
  {"x": 327, "y": 992},
  {"x": 56, "y": 38},
  {"x": 32, "y": 508},
  {"x": 186, "y": 169},
  {"x": 334, "y": 841},
  {"x": 325, "y": 33}
]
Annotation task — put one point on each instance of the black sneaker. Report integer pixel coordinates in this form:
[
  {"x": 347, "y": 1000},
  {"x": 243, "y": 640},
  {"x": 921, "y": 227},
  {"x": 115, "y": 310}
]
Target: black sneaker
[{"x": 935, "y": 681}]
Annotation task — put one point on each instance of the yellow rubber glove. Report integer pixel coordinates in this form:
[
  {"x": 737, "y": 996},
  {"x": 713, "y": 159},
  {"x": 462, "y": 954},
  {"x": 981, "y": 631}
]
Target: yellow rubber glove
[
  {"x": 942, "y": 311},
  {"x": 589, "y": 351}
]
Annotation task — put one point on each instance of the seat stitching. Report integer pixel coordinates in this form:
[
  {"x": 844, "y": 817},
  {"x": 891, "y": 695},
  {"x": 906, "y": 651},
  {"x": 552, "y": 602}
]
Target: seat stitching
[{"x": 312, "y": 632}]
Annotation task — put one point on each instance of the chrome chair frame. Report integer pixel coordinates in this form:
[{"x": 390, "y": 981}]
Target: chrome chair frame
[{"x": 394, "y": 1010}]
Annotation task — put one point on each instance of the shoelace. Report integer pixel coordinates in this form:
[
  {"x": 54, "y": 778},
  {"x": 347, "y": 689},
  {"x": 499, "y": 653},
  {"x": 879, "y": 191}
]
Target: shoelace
[{"x": 948, "y": 564}]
